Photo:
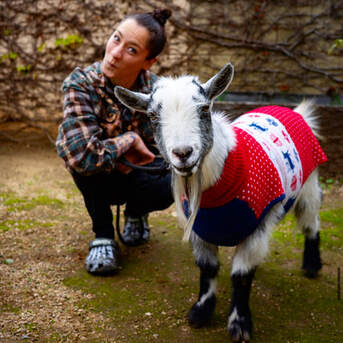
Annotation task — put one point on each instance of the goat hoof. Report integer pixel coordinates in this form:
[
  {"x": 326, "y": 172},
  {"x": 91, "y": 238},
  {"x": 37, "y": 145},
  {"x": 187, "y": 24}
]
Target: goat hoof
[
  {"x": 312, "y": 268},
  {"x": 238, "y": 333},
  {"x": 240, "y": 328},
  {"x": 311, "y": 273},
  {"x": 201, "y": 313}
]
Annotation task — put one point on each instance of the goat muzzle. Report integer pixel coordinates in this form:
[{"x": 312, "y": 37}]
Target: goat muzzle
[{"x": 183, "y": 153}]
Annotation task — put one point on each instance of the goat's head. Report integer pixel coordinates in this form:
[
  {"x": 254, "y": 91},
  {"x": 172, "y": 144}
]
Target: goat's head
[{"x": 180, "y": 113}]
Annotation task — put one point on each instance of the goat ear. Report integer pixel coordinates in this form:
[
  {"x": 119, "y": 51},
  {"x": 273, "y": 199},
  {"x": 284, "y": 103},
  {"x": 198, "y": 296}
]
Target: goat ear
[
  {"x": 219, "y": 82},
  {"x": 134, "y": 100}
]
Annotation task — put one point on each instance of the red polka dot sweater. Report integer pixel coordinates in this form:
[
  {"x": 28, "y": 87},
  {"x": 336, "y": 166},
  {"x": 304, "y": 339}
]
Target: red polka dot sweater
[{"x": 276, "y": 152}]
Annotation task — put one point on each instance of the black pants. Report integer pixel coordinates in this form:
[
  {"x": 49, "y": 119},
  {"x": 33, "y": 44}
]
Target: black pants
[{"x": 141, "y": 192}]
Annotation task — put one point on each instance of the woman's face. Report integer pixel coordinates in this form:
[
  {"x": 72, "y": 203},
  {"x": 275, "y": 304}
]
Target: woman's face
[{"x": 126, "y": 53}]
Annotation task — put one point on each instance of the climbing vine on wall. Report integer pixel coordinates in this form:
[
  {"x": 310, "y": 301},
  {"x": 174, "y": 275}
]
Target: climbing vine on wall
[{"x": 276, "y": 46}]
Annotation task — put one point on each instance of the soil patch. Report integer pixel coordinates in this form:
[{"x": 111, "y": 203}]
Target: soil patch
[{"x": 46, "y": 295}]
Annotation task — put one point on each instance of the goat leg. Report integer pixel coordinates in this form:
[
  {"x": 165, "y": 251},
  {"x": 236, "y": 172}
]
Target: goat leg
[
  {"x": 202, "y": 311},
  {"x": 207, "y": 260},
  {"x": 240, "y": 321}
]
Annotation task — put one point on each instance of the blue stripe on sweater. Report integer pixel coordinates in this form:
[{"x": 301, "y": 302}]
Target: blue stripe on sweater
[{"x": 230, "y": 224}]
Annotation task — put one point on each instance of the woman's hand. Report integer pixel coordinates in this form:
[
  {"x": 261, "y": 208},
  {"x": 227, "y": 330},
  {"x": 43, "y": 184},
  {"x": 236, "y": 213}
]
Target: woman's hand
[{"x": 137, "y": 154}]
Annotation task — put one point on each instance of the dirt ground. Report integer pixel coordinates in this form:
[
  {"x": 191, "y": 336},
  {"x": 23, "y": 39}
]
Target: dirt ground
[{"x": 47, "y": 296}]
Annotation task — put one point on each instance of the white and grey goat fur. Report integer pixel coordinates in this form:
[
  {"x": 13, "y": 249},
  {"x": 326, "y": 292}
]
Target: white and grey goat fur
[{"x": 196, "y": 141}]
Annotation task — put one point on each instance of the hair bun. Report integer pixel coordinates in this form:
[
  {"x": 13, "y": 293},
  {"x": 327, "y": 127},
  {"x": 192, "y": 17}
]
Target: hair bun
[{"x": 162, "y": 15}]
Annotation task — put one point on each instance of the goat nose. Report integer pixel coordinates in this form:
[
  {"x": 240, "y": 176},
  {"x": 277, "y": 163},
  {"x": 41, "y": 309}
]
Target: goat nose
[{"x": 183, "y": 152}]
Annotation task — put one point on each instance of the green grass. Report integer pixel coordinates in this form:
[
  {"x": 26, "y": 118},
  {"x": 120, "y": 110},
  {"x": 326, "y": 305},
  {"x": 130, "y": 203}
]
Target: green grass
[
  {"x": 14, "y": 203},
  {"x": 298, "y": 309},
  {"x": 23, "y": 224}
]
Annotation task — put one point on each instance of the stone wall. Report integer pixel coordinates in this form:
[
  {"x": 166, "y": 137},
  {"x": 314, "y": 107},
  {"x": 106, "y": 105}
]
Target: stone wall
[{"x": 275, "y": 46}]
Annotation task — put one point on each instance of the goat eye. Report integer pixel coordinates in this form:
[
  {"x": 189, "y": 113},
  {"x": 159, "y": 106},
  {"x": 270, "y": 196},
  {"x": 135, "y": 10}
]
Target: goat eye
[
  {"x": 205, "y": 108},
  {"x": 153, "y": 117},
  {"x": 204, "y": 111}
]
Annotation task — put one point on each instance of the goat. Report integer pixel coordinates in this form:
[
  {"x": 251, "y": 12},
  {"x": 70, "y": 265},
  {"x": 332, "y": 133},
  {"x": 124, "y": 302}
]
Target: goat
[{"x": 233, "y": 181}]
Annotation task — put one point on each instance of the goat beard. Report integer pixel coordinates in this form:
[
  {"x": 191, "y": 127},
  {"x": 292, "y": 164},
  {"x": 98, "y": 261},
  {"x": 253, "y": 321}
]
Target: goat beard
[{"x": 190, "y": 187}]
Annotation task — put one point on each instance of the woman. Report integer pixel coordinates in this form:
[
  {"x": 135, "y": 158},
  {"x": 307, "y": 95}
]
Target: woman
[{"x": 97, "y": 131}]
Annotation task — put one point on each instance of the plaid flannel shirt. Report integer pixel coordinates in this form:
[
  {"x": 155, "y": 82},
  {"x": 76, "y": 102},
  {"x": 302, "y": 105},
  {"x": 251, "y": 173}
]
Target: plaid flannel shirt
[{"x": 96, "y": 129}]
